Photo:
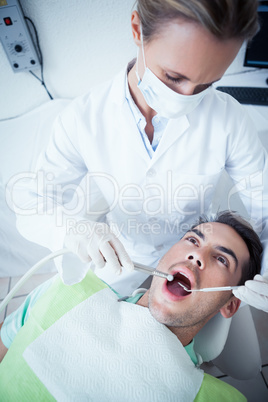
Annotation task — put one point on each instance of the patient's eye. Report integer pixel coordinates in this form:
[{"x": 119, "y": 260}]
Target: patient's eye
[
  {"x": 223, "y": 260},
  {"x": 192, "y": 240}
]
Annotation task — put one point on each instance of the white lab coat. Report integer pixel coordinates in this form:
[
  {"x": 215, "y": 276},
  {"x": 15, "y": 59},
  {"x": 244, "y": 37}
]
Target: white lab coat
[{"x": 151, "y": 201}]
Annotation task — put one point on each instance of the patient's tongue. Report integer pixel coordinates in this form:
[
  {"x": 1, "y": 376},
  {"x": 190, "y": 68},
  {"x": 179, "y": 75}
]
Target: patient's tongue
[{"x": 176, "y": 289}]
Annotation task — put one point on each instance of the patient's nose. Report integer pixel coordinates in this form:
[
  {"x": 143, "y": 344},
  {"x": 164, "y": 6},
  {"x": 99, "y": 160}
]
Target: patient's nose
[{"x": 196, "y": 259}]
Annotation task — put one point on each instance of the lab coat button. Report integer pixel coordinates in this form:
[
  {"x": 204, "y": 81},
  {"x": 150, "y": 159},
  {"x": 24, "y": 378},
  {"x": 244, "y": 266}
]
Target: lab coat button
[
  {"x": 159, "y": 247},
  {"x": 151, "y": 173}
]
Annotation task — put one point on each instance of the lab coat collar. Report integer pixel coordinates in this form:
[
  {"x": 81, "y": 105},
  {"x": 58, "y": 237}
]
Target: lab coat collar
[
  {"x": 174, "y": 130},
  {"x": 118, "y": 93},
  {"x": 175, "y": 127},
  {"x": 128, "y": 123},
  {"x": 130, "y": 128}
]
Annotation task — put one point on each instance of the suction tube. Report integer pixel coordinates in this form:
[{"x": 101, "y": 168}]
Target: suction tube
[{"x": 29, "y": 273}]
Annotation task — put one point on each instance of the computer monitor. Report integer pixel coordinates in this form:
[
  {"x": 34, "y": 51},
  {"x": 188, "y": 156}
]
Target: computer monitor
[{"x": 257, "y": 50}]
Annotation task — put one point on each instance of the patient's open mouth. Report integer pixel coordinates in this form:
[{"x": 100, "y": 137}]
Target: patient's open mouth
[{"x": 174, "y": 286}]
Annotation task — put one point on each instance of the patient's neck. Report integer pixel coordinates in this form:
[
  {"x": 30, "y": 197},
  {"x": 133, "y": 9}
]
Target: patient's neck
[{"x": 184, "y": 334}]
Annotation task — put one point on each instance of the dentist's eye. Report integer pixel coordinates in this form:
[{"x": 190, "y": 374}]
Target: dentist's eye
[{"x": 173, "y": 79}]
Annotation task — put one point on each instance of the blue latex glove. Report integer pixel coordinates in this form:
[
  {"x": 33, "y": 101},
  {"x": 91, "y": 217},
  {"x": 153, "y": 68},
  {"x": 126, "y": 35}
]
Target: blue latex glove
[{"x": 255, "y": 292}]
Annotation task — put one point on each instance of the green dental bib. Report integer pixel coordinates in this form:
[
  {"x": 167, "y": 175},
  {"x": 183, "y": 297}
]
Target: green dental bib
[
  {"x": 13, "y": 369},
  {"x": 17, "y": 380}
]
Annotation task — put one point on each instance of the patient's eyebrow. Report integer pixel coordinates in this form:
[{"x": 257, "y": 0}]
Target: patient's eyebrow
[
  {"x": 219, "y": 248},
  {"x": 229, "y": 252},
  {"x": 198, "y": 233}
]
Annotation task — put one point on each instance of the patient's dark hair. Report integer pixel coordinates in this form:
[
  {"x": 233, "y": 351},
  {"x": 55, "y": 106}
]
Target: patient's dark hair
[{"x": 250, "y": 237}]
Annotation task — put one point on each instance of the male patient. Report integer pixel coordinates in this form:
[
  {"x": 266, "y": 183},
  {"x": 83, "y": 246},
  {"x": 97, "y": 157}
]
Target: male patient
[{"x": 79, "y": 343}]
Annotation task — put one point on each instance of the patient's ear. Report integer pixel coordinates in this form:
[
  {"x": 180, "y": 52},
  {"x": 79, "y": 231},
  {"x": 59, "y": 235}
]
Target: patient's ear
[{"x": 231, "y": 307}]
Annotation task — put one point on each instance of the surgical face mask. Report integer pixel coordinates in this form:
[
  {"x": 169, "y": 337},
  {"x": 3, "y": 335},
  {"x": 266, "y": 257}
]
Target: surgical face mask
[{"x": 161, "y": 98}]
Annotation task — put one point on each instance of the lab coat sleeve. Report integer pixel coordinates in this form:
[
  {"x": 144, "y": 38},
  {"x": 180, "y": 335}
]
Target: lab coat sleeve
[
  {"x": 48, "y": 198},
  {"x": 247, "y": 165}
]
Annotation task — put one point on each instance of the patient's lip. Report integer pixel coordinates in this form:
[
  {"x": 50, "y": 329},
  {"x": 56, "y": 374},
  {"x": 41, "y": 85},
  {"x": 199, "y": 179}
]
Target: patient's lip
[{"x": 183, "y": 270}]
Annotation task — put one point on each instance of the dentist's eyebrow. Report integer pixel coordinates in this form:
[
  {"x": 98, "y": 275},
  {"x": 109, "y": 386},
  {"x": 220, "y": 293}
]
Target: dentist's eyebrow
[{"x": 229, "y": 252}]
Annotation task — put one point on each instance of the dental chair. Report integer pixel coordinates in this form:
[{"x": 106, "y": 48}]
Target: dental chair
[{"x": 231, "y": 344}]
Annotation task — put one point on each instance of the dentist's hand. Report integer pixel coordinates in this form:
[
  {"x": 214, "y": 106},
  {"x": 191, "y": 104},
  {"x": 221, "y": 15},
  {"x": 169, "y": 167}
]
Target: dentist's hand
[
  {"x": 95, "y": 241},
  {"x": 255, "y": 293}
]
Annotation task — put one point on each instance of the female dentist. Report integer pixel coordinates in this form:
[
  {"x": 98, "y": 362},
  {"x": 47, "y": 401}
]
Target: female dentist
[{"x": 153, "y": 143}]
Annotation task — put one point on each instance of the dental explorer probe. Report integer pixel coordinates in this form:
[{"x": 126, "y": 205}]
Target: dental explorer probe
[
  {"x": 152, "y": 271},
  {"x": 216, "y": 289}
]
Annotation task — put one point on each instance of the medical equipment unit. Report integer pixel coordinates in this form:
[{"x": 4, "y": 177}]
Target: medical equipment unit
[{"x": 16, "y": 38}]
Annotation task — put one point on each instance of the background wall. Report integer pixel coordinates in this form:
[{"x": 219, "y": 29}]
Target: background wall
[{"x": 83, "y": 42}]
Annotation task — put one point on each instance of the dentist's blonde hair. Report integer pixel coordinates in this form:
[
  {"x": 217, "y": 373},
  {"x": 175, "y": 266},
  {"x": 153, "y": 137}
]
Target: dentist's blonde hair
[{"x": 225, "y": 19}]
